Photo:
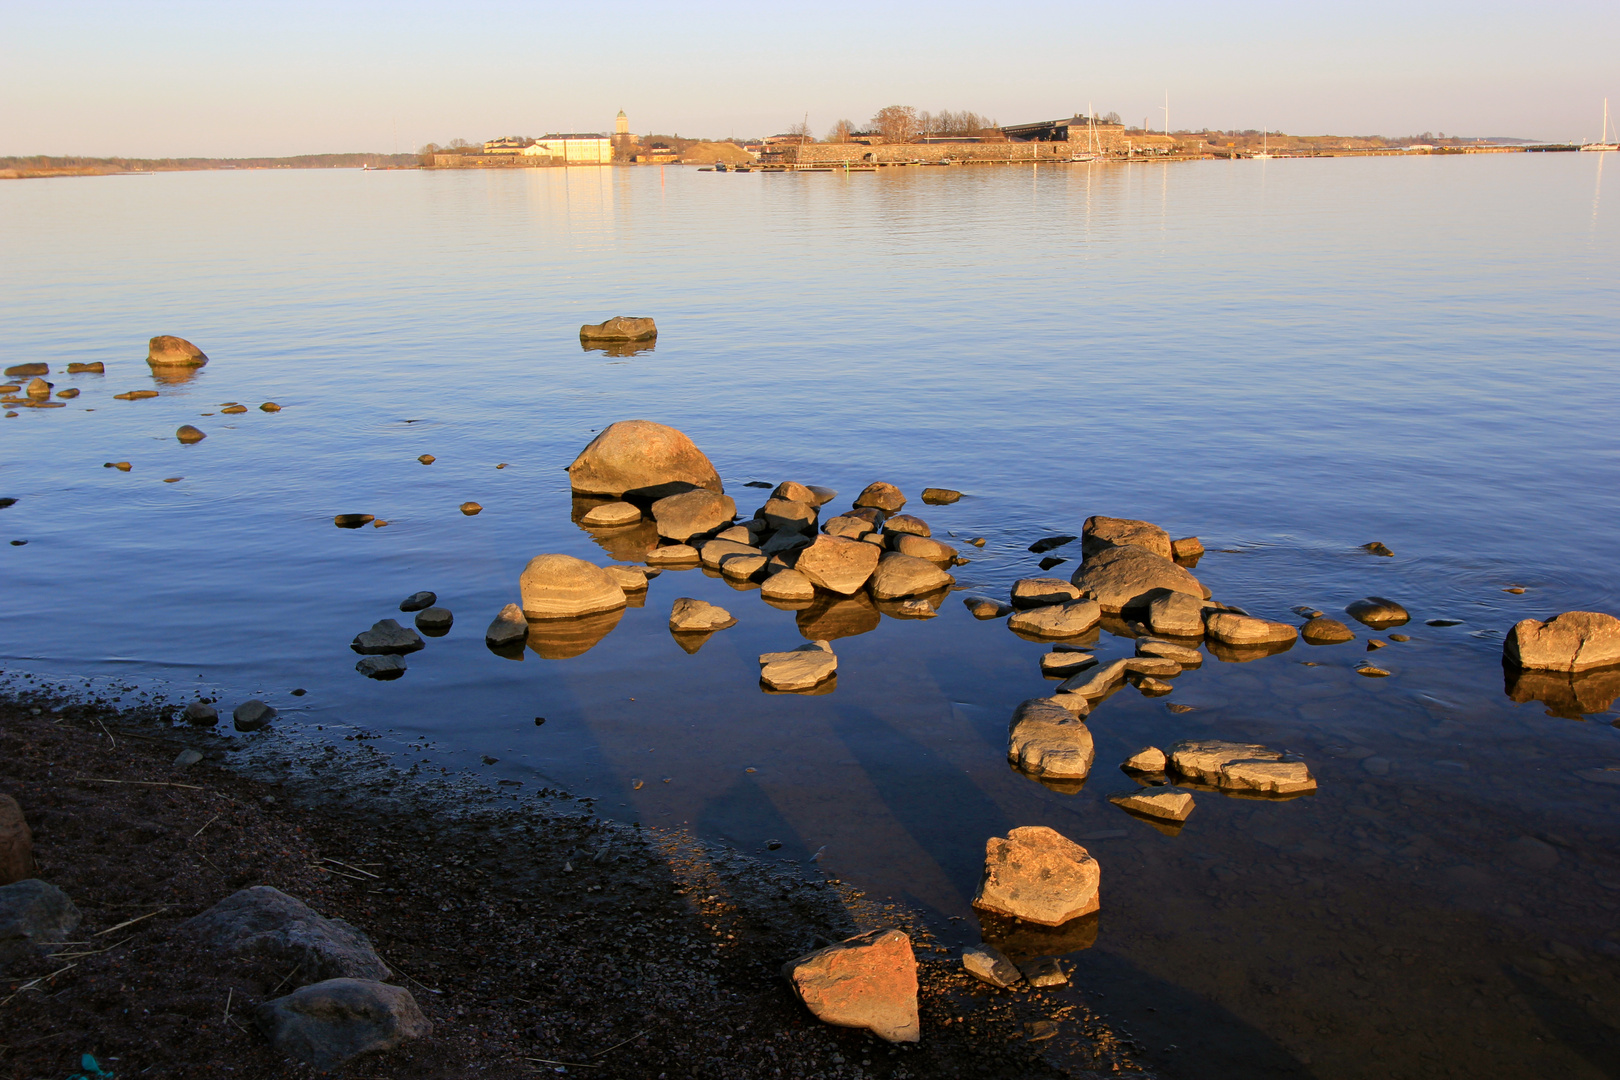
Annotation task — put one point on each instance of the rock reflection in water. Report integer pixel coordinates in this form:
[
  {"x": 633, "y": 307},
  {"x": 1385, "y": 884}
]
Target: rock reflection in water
[
  {"x": 1243, "y": 654},
  {"x": 1566, "y": 695},
  {"x": 894, "y": 608},
  {"x": 564, "y": 639},
  {"x": 691, "y": 641},
  {"x": 175, "y": 375},
  {"x": 831, "y": 617},
  {"x": 821, "y": 689},
  {"x": 1019, "y": 940},
  {"x": 619, "y": 349},
  {"x": 623, "y": 543}
]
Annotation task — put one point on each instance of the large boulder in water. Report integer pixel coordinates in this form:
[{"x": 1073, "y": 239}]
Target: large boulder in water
[
  {"x": 563, "y": 587},
  {"x": 1573, "y": 641},
  {"x": 1102, "y": 533},
  {"x": 644, "y": 458},
  {"x": 619, "y": 328},
  {"x": 167, "y": 351},
  {"x": 1127, "y": 576},
  {"x": 1039, "y": 875}
]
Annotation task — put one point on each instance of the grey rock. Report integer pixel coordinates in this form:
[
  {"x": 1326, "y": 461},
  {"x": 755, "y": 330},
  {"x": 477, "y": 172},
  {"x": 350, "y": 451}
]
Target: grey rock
[
  {"x": 940, "y": 496},
  {"x": 187, "y": 757},
  {"x": 989, "y": 965},
  {"x": 1038, "y": 592},
  {"x": 386, "y": 636},
  {"x": 1095, "y": 684},
  {"x": 252, "y": 715},
  {"x": 1039, "y": 875},
  {"x": 795, "y": 492},
  {"x": 264, "y": 921},
  {"x": 744, "y": 567},
  {"x": 33, "y": 913},
  {"x": 380, "y": 667},
  {"x": 823, "y": 495},
  {"x": 200, "y": 714},
  {"x": 508, "y": 629},
  {"x": 329, "y": 1023},
  {"x": 1123, "y": 577},
  {"x": 838, "y": 565},
  {"x": 712, "y": 553},
  {"x": 419, "y": 601},
  {"x": 629, "y": 579},
  {"x": 784, "y": 542},
  {"x": 435, "y": 620}
]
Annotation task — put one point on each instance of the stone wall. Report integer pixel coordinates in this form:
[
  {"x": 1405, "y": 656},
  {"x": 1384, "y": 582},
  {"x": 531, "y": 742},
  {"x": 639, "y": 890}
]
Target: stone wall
[{"x": 1113, "y": 142}]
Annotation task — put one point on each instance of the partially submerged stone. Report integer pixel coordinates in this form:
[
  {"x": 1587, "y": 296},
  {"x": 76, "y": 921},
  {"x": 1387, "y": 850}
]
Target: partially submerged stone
[
  {"x": 200, "y": 714},
  {"x": 1325, "y": 631},
  {"x": 1240, "y": 767},
  {"x": 611, "y": 514},
  {"x": 640, "y": 456},
  {"x": 1230, "y": 628},
  {"x": 1039, "y": 592},
  {"x": 188, "y": 434},
  {"x": 908, "y": 524},
  {"x": 32, "y": 913},
  {"x": 1038, "y": 875},
  {"x": 1123, "y": 577},
  {"x": 1057, "y": 620},
  {"x": 1378, "y": 611},
  {"x": 630, "y": 579},
  {"x": 787, "y": 585},
  {"x": 1064, "y": 664},
  {"x": 326, "y": 1024},
  {"x": 1187, "y": 549},
  {"x": 798, "y": 669},
  {"x": 1574, "y": 641},
  {"x": 881, "y": 496},
  {"x": 510, "y": 628},
  {"x": 563, "y": 587},
  {"x": 419, "y": 601},
  {"x": 1149, "y": 759},
  {"x": 847, "y": 526},
  {"x": 988, "y": 965},
  {"x": 254, "y": 715},
  {"x": 352, "y": 521},
  {"x": 868, "y": 982},
  {"x": 940, "y": 496},
  {"x": 435, "y": 621},
  {"x": 838, "y": 565},
  {"x": 1044, "y": 739},
  {"x": 620, "y": 328},
  {"x": 672, "y": 555},
  {"x": 985, "y": 607},
  {"x": 264, "y": 921},
  {"x": 1101, "y": 533},
  {"x": 1166, "y": 803},
  {"x": 921, "y": 547},
  {"x": 1044, "y": 971},
  {"x": 166, "y": 350},
  {"x": 692, "y": 514},
  {"x": 1089, "y": 686},
  {"x": 687, "y": 614},
  {"x": 899, "y": 575},
  {"x": 386, "y": 636},
  {"x": 1169, "y": 650}
]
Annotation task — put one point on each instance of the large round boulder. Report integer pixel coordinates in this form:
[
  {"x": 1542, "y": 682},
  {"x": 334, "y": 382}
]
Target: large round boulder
[
  {"x": 643, "y": 458},
  {"x": 1573, "y": 641},
  {"x": 1125, "y": 576},
  {"x": 563, "y": 587},
  {"x": 692, "y": 513},
  {"x": 1102, "y": 533},
  {"x": 167, "y": 351}
]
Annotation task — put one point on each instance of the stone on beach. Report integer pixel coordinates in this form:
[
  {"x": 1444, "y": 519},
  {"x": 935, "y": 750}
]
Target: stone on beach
[
  {"x": 798, "y": 669},
  {"x": 838, "y": 565},
  {"x": 32, "y": 913},
  {"x": 380, "y": 667},
  {"x": 1325, "y": 631},
  {"x": 1574, "y": 641},
  {"x": 1046, "y": 740},
  {"x": 989, "y": 965},
  {"x": 509, "y": 628},
  {"x": 867, "y": 982},
  {"x": 1168, "y": 803},
  {"x": 611, "y": 514},
  {"x": 563, "y": 587},
  {"x": 1233, "y": 629},
  {"x": 1149, "y": 759},
  {"x": 419, "y": 601},
  {"x": 1240, "y": 767},
  {"x": 1101, "y": 533},
  {"x": 387, "y": 637},
  {"x": 264, "y": 921},
  {"x": 787, "y": 585},
  {"x": 899, "y": 576},
  {"x": 620, "y": 328},
  {"x": 881, "y": 496},
  {"x": 1057, "y": 620},
  {"x": 200, "y": 714},
  {"x": 642, "y": 457},
  {"x": 326, "y": 1024},
  {"x": 434, "y": 620},
  {"x": 1377, "y": 612},
  {"x": 1039, "y": 875},
  {"x": 692, "y": 514},
  {"x": 688, "y": 614},
  {"x": 1065, "y": 664},
  {"x": 168, "y": 351},
  {"x": 16, "y": 843},
  {"x": 254, "y": 714},
  {"x": 940, "y": 496},
  {"x": 1037, "y": 592},
  {"x": 188, "y": 434},
  {"x": 1123, "y": 577}
]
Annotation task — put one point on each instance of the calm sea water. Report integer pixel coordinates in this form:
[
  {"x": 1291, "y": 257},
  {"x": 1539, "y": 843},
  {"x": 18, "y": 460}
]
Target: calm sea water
[{"x": 1288, "y": 359}]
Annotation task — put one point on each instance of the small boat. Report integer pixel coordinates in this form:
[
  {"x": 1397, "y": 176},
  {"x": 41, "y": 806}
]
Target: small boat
[
  {"x": 1603, "y": 142},
  {"x": 1265, "y": 146},
  {"x": 720, "y": 166}
]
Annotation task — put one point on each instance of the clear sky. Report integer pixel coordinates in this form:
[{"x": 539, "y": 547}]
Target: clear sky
[{"x": 220, "y": 78}]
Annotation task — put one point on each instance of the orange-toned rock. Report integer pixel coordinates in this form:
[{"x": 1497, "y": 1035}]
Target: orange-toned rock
[
  {"x": 1039, "y": 875},
  {"x": 563, "y": 587},
  {"x": 866, "y": 982},
  {"x": 838, "y": 565},
  {"x": 1573, "y": 641},
  {"x": 644, "y": 457},
  {"x": 1101, "y": 533},
  {"x": 16, "y": 843},
  {"x": 167, "y": 351}
]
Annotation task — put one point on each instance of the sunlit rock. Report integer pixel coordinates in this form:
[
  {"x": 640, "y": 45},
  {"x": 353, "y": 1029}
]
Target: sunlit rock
[
  {"x": 1044, "y": 739},
  {"x": 1377, "y": 612},
  {"x": 1056, "y": 620},
  {"x": 1101, "y": 533},
  {"x": 1325, "y": 631},
  {"x": 900, "y": 575},
  {"x": 838, "y": 565},
  {"x": 563, "y": 587},
  {"x": 1574, "y": 641},
  {"x": 1229, "y": 628},
  {"x": 1171, "y": 803},
  {"x": 798, "y": 669},
  {"x": 867, "y": 982},
  {"x": 165, "y": 351},
  {"x": 641, "y": 457},
  {"x": 692, "y": 514},
  {"x": 1038, "y": 875},
  {"x": 687, "y": 614},
  {"x": 1240, "y": 767},
  {"x": 1125, "y": 577}
]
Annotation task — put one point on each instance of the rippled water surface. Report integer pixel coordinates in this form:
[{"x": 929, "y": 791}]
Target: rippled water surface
[{"x": 1288, "y": 359}]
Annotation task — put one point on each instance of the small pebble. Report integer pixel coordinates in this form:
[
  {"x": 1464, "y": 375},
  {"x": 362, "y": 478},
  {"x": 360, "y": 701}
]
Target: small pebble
[
  {"x": 977, "y": 541},
  {"x": 1399, "y": 637},
  {"x": 269, "y": 406},
  {"x": 1375, "y": 644},
  {"x": 470, "y": 508},
  {"x": 234, "y": 409},
  {"x": 1516, "y": 590},
  {"x": 427, "y": 459},
  {"x": 173, "y": 479},
  {"x": 70, "y": 392},
  {"x": 300, "y": 692},
  {"x": 1372, "y": 672},
  {"x": 502, "y": 465},
  {"x": 379, "y": 523},
  {"x": 188, "y": 434},
  {"x": 18, "y": 543}
]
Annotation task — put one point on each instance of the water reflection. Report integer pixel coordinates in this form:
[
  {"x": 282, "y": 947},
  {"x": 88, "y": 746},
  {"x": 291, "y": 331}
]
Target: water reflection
[
  {"x": 564, "y": 639},
  {"x": 174, "y": 376},
  {"x": 1244, "y": 654},
  {"x": 1566, "y": 695},
  {"x": 831, "y": 616},
  {"x": 619, "y": 349},
  {"x": 1019, "y": 940}
]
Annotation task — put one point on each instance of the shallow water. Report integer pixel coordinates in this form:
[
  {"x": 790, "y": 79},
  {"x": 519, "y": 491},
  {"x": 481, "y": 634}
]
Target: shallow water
[{"x": 1288, "y": 359}]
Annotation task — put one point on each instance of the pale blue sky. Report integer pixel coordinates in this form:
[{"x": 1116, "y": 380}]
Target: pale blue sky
[{"x": 185, "y": 77}]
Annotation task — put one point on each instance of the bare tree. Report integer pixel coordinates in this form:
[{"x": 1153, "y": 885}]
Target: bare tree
[
  {"x": 897, "y": 123},
  {"x": 1112, "y": 118},
  {"x": 841, "y": 132},
  {"x": 802, "y": 131}
]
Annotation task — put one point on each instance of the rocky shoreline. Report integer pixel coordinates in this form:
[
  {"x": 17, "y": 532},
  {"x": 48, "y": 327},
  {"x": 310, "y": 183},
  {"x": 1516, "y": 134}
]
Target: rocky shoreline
[{"x": 534, "y": 936}]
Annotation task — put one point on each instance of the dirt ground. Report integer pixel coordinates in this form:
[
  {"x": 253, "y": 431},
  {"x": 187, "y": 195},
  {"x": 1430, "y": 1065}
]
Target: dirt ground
[{"x": 538, "y": 938}]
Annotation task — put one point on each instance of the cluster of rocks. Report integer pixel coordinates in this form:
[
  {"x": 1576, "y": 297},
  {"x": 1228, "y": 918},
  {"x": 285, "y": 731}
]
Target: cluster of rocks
[
  {"x": 341, "y": 1006},
  {"x": 36, "y": 393},
  {"x": 381, "y": 647},
  {"x": 251, "y": 715}
]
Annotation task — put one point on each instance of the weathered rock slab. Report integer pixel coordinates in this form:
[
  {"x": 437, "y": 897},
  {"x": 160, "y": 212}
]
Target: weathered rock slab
[
  {"x": 1044, "y": 739},
  {"x": 165, "y": 350},
  {"x": 691, "y": 514},
  {"x": 1057, "y": 620},
  {"x": 989, "y": 965},
  {"x": 329, "y": 1023},
  {"x": 798, "y": 669},
  {"x": 688, "y": 614},
  {"x": 1230, "y": 628},
  {"x": 1149, "y": 759},
  {"x": 1038, "y": 875},
  {"x": 1041, "y": 591},
  {"x": 1573, "y": 641},
  {"x": 620, "y": 328},
  {"x": 563, "y": 587},
  {"x": 1240, "y": 767},
  {"x": 867, "y": 982},
  {"x": 1166, "y": 803},
  {"x": 265, "y": 921},
  {"x": 899, "y": 575},
  {"x": 1124, "y": 577},
  {"x": 788, "y": 585},
  {"x": 1101, "y": 533},
  {"x": 838, "y": 565},
  {"x": 255, "y": 714},
  {"x": 1176, "y": 614}
]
